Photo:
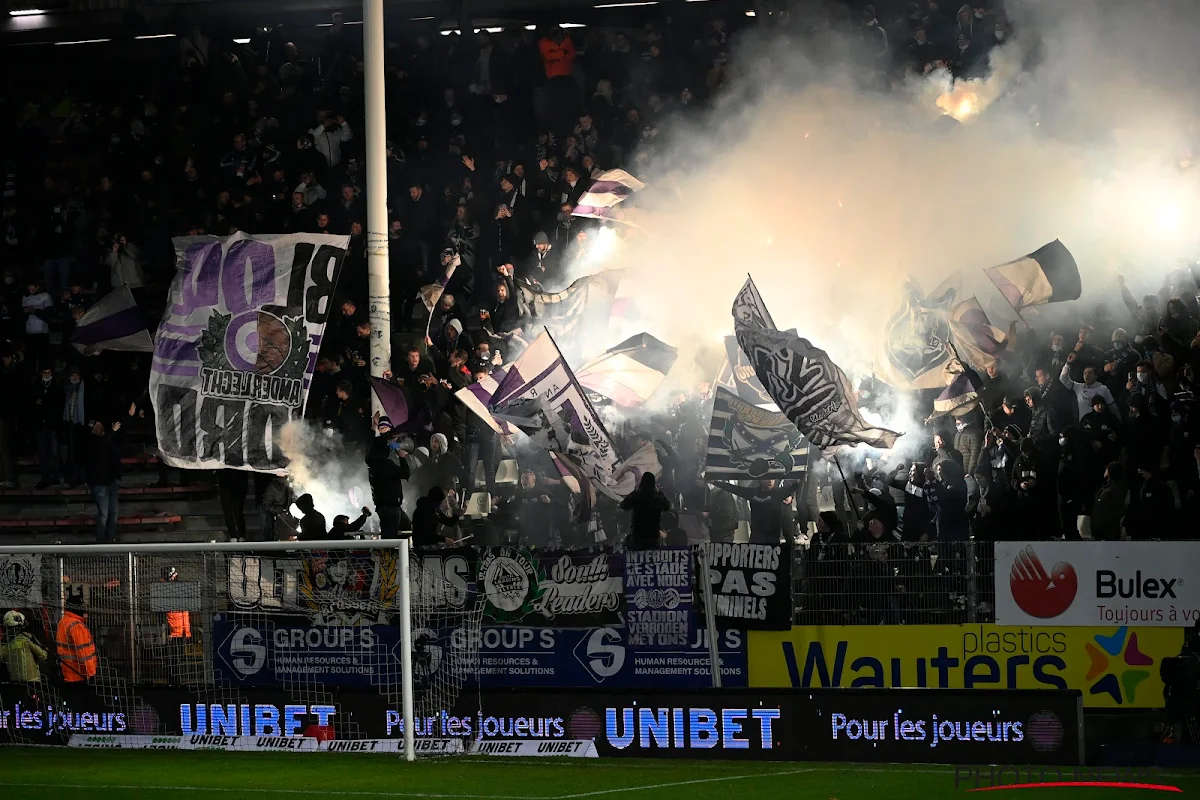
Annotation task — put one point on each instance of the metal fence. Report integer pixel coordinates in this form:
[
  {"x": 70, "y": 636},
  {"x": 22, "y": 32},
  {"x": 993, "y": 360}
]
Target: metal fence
[{"x": 894, "y": 583}]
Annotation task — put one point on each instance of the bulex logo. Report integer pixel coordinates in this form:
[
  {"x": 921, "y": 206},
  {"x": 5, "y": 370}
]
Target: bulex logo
[
  {"x": 1119, "y": 682},
  {"x": 1038, "y": 592}
]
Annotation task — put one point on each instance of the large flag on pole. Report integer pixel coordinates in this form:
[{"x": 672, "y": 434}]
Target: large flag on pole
[
  {"x": 630, "y": 372},
  {"x": 607, "y": 191},
  {"x": 540, "y": 394},
  {"x": 808, "y": 387},
  {"x": 1047, "y": 275},
  {"x": 913, "y": 350},
  {"x": 114, "y": 323},
  {"x": 574, "y": 307},
  {"x": 235, "y": 352},
  {"x": 747, "y": 443}
]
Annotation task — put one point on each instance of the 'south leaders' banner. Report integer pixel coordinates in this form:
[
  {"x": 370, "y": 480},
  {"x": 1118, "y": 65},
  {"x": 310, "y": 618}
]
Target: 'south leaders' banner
[
  {"x": 751, "y": 585},
  {"x": 236, "y": 349},
  {"x": 553, "y": 589}
]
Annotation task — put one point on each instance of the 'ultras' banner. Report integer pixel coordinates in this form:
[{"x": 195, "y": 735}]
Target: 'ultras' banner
[
  {"x": 236, "y": 349},
  {"x": 1114, "y": 667},
  {"x": 751, "y": 585}
]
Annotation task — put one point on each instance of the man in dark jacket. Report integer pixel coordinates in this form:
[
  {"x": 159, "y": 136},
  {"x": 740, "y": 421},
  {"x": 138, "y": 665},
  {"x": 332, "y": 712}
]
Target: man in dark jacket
[
  {"x": 11, "y": 375},
  {"x": 312, "y": 524},
  {"x": 428, "y": 517},
  {"x": 647, "y": 502},
  {"x": 102, "y": 471},
  {"x": 47, "y": 402},
  {"x": 387, "y": 468},
  {"x": 769, "y": 502}
]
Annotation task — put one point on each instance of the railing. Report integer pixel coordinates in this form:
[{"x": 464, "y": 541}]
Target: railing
[{"x": 894, "y": 583}]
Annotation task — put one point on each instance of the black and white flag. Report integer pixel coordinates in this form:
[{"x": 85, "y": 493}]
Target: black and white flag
[
  {"x": 746, "y": 442},
  {"x": 803, "y": 381}
]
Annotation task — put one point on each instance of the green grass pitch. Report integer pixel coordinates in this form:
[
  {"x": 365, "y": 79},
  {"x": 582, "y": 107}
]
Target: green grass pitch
[{"x": 45, "y": 773}]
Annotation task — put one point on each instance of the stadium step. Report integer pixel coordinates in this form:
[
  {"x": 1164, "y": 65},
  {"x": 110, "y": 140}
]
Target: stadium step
[{"x": 83, "y": 494}]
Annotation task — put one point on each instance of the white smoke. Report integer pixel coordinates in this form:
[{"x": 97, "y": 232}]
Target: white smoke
[
  {"x": 321, "y": 466},
  {"x": 830, "y": 192}
]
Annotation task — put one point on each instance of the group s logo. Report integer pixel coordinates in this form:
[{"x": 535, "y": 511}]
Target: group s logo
[
  {"x": 602, "y": 653},
  {"x": 247, "y": 653},
  {"x": 1039, "y": 592}
]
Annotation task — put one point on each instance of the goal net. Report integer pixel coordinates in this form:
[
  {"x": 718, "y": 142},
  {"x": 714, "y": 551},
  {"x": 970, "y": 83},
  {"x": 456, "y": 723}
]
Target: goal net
[{"x": 237, "y": 645}]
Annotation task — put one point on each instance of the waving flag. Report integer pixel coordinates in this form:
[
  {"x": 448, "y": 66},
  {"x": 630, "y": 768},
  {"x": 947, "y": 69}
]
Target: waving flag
[
  {"x": 606, "y": 192},
  {"x": 433, "y": 292},
  {"x": 1047, "y": 275},
  {"x": 115, "y": 323},
  {"x": 564, "y": 312},
  {"x": 808, "y": 387},
  {"x": 630, "y": 372},
  {"x": 747, "y": 443}
]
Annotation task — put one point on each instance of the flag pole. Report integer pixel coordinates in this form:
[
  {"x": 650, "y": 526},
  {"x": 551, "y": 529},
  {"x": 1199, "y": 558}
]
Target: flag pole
[{"x": 849, "y": 491}]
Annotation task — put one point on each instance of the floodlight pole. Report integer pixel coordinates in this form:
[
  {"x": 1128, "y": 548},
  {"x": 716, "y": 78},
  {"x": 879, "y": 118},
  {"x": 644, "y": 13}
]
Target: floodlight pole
[
  {"x": 380, "y": 303},
  {"x": 378, "y": 291}
]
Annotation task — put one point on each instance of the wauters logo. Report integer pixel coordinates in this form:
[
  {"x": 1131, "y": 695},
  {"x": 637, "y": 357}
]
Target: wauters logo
[
  {"x": 511, "y": 580},
  {"x": 1040, "y": 592},
  {"x": 1117, "y": 678}
]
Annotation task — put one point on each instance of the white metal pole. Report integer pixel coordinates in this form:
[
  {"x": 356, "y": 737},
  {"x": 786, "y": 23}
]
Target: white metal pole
[
  {"x": 406, "y": 653},
  {"x": 379, "y": 296},
  {"x": 710, "y": 618}
]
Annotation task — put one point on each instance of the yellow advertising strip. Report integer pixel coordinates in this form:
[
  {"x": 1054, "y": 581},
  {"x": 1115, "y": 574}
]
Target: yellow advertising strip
[{"x": 1113, "y": 667}]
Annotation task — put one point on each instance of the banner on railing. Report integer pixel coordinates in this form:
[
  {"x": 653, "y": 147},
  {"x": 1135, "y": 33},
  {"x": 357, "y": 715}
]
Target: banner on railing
[
  {"x": 1114, "y": 667},
  {"x": 237, "y": 346},
  {"x": 549, "y": 657},
  {"x": 751, "y": 585},
  {"x": 1098, "y": 583},
  {"x": 658, "y": 597}
]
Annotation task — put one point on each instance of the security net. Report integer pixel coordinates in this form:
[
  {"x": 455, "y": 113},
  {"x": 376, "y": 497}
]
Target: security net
[{"x": 199, "y": 643}]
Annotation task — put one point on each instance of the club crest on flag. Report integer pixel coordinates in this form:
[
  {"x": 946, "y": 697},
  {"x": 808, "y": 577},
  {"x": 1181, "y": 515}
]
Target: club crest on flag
[
  {"x": 915, "y": 337},
  {"x": 747, "y": 442}
]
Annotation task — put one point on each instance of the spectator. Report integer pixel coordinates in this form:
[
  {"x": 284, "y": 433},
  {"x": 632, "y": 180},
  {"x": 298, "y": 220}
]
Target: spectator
[
  {"x": 102, "y": 472},
  {"x": 312, "y": 523},
  {"x": 648, "y": 504},
  {"x": 1108, "y": 511},
  {"x": 387, "y": 469},
  {"x": 47, "y": 416},
  {"x": 434, "y": 511},
  {"x": 331, "y": 133},
  {"x": 1086, "y": 391},
  {"x": 770, "y": 501}
]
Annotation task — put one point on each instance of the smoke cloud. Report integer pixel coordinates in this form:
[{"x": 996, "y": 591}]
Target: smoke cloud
[
  {"x": 320, "y": 466},
  {"x": 831, "y": 191}
]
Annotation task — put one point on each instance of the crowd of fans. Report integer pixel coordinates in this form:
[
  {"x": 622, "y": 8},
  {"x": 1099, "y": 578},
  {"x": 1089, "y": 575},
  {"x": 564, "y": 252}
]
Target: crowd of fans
[{"x": 492, "y": 141}]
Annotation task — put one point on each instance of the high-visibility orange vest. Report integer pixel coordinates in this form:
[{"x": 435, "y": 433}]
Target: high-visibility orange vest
[
  {"x": 76, "y": 650},
  {"x": 558, "y": 58},
  {"x": 179, "y": 625}
]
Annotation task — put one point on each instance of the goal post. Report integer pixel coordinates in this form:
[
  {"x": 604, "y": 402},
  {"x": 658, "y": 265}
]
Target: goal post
[{"x": 220, "y": 623}]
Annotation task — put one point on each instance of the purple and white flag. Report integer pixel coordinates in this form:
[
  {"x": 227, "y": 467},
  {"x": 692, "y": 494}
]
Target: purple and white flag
[
  {"x": 605, "y": 193},
  {"x": 114, "y": 323},
  {"x": 237, "y": 346},
  {"x": 540, "y": 394}
]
